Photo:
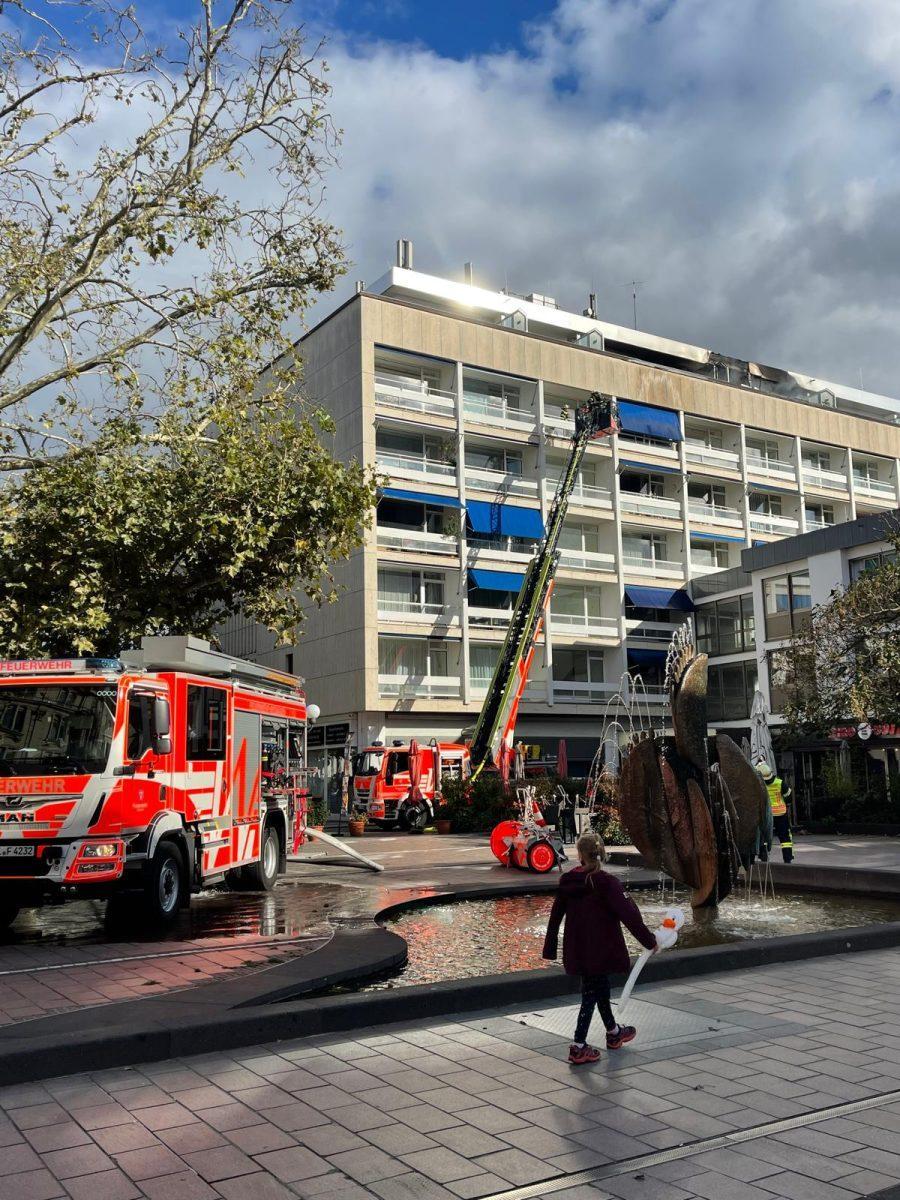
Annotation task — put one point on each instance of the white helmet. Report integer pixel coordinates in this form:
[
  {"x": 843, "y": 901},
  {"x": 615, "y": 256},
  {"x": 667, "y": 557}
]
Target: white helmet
[{"x": 765, "y": 770}]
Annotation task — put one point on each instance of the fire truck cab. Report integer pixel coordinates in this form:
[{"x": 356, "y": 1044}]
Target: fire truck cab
[
  {"x": 382, "y": 785},
  {"x": 164, "y": 771}
]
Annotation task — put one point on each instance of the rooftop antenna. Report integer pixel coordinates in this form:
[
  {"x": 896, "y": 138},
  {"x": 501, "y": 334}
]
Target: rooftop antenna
[
  {"x": 635, "y": 284},
  {"x": 468, "y": 272}
]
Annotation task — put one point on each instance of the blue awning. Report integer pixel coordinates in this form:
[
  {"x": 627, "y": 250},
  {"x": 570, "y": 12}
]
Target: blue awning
[
  {"x": 421, "y": 497},
  {"x": 652, "y": 597},
  {"x": 495, "y": 581},
  {"x": 638, "y": 658},
  {"x": 716, "y": 537},
  {"x": 647, "y": 468},
  {"x": 649, "y": 421},
  {"x": 506, "y": 519}
]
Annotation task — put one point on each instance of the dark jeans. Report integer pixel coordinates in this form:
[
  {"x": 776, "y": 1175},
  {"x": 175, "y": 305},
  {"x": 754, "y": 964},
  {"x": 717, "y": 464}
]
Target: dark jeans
[{"x": 594, "y": 993}]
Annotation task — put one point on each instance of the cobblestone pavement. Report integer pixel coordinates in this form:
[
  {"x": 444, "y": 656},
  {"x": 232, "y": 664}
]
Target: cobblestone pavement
[{"x": 478, "y": 1107}]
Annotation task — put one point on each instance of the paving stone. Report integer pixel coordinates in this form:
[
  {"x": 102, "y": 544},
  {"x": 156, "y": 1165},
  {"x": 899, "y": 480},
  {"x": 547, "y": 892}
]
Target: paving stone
[
  {"x": 497, "y": 1120},
  {"x": 149, "y": 1162},
  {"x": 30, "y": 1185},
  {"x": 106, "y": 1185},
  {"x": 868, "y": 1183},
  {"x": 791, "y": 1186},
  {"x": 442, "y": 1164},
  {"x": 34, "y": 1116},
  {"x": 395, "y": 1138},
  {"x": 411, "y": 1186},
  {"x": 194, "y": 1136},
  {"x": 259, "y": 1186},
  {"x": 76, "y": 1160},
  {"x": 20, "y": 1157},
  {"x": 713, "y": 1186},
  {"x": 220, "y": 1162},
  {"x": 256, "y": 1139},
  {"x": 874, "y": 1159},
  {"x": 424, "y": 1118},
  {"x": 56, "y": 1137},
  {"x": 333, "y": 1186},
  {"x": 516, "y": 1166},
  {"x": 368, "y": 1165},
  {"x": 182, "y": 1185},
  {"x": 628, "y": 1187},
  {"x": 118, "y": 1138}
]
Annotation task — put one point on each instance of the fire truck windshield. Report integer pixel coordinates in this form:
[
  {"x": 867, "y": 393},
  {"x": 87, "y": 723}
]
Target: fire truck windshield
[
  {"x": 56, "y": 729},
  {"x": 368, "y": 762}
]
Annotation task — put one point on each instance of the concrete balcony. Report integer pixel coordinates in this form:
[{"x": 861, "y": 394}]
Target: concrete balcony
[
  {"x": 710, "y": 456},
  {"x": 703, "y": 566},
  {"x": 481, "y": 479},
  {"x": 649, "y": 506},
  {"x": 411, "y": 466},
  {"x": 771, "y": 468},
  {"x": 637, "y": 448},
  {"x": 581, "y": 625},
  {"x": 652, "y": 568},
  {"x": 876, "y": 489},
  {"x": 535, "y": 690},
  {"x": 603, "y": 693},
  {"x": 835, "y": 481},
  {"x": 556, "y": 424},
  {"x": 587, "y": 560},
  {"x": 812, "y": 524},
  {"x": 650, "y": 631},
  {"x": 586, "y": 494},
  {"x": 494, "y": 548},
  {"x": 715, "y": 514},
  {"x": 411, "y": 612},
  {"x": 417, "y": 541},
  {"x": 415, "y": 687},
  {"x": 484, "y": 410},
  {"x": 489, "y": 618},
  {"x": 414, "y": 398},
  {"x": 778, "y": 526}
]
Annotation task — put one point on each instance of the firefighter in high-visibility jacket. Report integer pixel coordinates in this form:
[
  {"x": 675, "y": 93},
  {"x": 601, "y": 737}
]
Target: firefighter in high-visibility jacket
[{"x": 778, "y": 796}]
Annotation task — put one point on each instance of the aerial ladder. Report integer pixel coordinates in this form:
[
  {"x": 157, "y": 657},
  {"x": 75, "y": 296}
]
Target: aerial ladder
[{"x": 495, "y": 728}]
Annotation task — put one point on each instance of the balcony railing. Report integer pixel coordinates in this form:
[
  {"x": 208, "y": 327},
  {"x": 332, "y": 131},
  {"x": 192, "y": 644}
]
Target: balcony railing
[
  {"x": 772, "y": 468},
  {"x": 637, "y": 446},
  {"x": 582, "y": 624},
  {"x": 412, "y": 687},
  {"x": 870, "y": 486},
  {"x": 558, "y": 425},
  {"x": 492, "y": 547},
  {"x": 489, "y": 411},
  {"x": 715, "y": 514},
  {"x": 416, "y": 540},
  {"x": 489, "y": 618},
  {"x": 650, "y": 506},
  {"x": 415, "y": 398},
  {"x": 415, "y": 467},
  {"x": 587, "y": 560},
  {"x": 703, "y": 566},
  {"x": 637, "y": 564},
  {"x": 480, "y": 478},
  {"x": 818, "y": 477},
  {"x": 414, "y": 610},
  {"x": 711, "y": 456},
  {"x": 813, "y": 523},
  {"x": 535, "y": 689},
  {"x": 651, "y": 631},
  {"x": 764, "y": 523},
  {"x": 583, "y": 493},
  {"x": 602, "y": 693}
]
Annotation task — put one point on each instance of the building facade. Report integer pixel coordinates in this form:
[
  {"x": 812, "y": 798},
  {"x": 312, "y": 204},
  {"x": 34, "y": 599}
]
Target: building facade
[{"x": 462, "y": 399}]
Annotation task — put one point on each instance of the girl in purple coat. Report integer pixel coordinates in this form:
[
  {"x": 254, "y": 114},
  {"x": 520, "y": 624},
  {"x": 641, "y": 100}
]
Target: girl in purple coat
[{"x": 595, "y": 907}]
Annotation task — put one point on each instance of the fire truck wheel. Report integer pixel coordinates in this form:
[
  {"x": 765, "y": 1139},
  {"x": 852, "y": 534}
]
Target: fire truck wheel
[
  {"x": 541, "y": 857},
  {"x": 165, "y": 884},
  {"x": 8, "y": 912},
  {"x": 415, "y": 818},
  {"x": 260, "y": 876}
]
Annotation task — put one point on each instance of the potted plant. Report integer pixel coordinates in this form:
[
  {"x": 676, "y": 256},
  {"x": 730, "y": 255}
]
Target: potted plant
[
  {"x": 317, "y": 813},
  {"x": 443, "y": 818},
  {"x": 357, "y": 824}
]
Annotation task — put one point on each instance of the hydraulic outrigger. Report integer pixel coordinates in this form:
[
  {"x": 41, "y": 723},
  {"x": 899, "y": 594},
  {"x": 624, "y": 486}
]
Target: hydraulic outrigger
[{"x": 496, "y": 724}]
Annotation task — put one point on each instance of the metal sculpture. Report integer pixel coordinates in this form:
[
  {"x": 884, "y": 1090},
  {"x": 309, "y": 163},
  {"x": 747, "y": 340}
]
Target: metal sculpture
[{"x": 693, "y": 806}]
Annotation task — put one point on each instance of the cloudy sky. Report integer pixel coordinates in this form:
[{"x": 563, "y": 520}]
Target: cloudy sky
[{"x": 737, "y": 157}]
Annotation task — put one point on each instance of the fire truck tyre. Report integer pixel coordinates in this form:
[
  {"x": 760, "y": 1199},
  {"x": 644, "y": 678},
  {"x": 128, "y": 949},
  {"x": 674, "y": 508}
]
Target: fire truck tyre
[
  {"x": 415, "y": 818},
  {"x": 541, "y": 857},
  {"x": 8, "y": 912},
  {"x": 261, "y": 876},
  {"x": 164, "y": 889}
]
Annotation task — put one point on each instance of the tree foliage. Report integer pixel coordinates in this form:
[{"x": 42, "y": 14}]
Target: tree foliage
[
  {"x": 101, "y": 547},
  {"x": 845, "y": 663}
]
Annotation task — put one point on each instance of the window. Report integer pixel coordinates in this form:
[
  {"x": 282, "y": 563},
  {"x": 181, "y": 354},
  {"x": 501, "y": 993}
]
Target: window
[
  {"x": 508, "y": 462},
  {"x": 711, "y": 439},
  {"x": 409, "y": 374},
  {"x": 818, "y": 515},
  {"x": 763, "y": 448},
  {"x": 726, "y": 626},
  {"x": 730, "y": 691},
  {"x": 817, "y": 460},
  {"x": 577, "y": 664},
  {"x": 644, "y": 485},
  {"x": 787, "y": 602},
  {"x": 391, "y": 443},
  {"x": 289, "y": 663},
  {"x": 569, "y": 600},
  {"x": 649, "y": 548},
  {"x": 482, "y": 660},
  {"x": 865, "y": 470},
  {"x": 140, "y": 716},
  {"x": 765, "y": 503},
  {"x": 871, "y": 562},
  {"x": 207, "y": 723},
  {"x": 710, "y": 554},
  {"x": 494, "y": 393},
  {"x": 706, "y": 493},
  {"x": 585, "y": 539},
  {"x": 412, "y": 657},
  {"x": 410, "y": 591}
]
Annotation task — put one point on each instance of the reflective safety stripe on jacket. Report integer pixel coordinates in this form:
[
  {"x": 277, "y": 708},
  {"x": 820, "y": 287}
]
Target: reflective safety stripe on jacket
[{"x": 779, "y": 808}]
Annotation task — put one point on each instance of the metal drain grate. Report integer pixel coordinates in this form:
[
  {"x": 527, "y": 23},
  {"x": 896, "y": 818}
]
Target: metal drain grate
[
  {"x": 547, "y": 1187},
  {"x": 659, "y": 1025}
]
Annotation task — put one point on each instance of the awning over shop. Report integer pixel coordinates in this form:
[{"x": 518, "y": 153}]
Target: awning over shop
[
  {"x": 651, "y": 597},
  {"x": 495, "y": 581},
  {"x": 642, "y": 658},
  {"x": 506, "y": 519},
  {"x": 421, "y": 497},
  {"x": 650, "y": 421}
]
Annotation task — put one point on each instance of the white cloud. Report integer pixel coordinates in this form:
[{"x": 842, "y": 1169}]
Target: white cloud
[{"x": 740, "y": 157}]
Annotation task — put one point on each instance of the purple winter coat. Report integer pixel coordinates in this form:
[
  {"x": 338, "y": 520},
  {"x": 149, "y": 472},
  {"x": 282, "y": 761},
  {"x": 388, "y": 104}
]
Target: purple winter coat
[{"x": 595, "y": 907}]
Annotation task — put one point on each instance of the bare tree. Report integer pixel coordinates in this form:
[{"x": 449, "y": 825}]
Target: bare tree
[{"x": 159, "y": 216}]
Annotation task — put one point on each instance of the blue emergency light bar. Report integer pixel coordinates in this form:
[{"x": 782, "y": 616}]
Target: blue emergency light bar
[{"x": 59, "y": 666}]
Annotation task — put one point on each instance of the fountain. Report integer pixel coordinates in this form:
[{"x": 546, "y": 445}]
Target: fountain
[{"x": 693, "y": 806}]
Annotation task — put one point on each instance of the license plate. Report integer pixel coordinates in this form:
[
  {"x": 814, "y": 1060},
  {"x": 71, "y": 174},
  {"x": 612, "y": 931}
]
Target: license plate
[{"x": 16, "y": 852}]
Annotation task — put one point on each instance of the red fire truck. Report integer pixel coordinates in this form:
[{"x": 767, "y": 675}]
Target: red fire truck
[
  {"x": 382, "y": 784},
  {"x": 159, "y": 773}
]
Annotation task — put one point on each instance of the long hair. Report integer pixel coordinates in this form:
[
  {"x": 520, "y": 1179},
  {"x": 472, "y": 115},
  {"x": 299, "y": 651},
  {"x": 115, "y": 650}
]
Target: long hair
[{"x": 591, "y": 851}]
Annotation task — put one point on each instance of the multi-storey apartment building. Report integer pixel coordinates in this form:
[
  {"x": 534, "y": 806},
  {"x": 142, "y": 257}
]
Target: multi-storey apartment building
[{"x": 461, "y": 398}]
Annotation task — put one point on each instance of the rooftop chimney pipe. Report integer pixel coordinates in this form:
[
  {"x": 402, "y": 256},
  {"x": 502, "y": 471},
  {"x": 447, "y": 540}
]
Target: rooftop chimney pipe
[
  {"x": 405, "y": 253},
  {"x": 467, "y": 272}
]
